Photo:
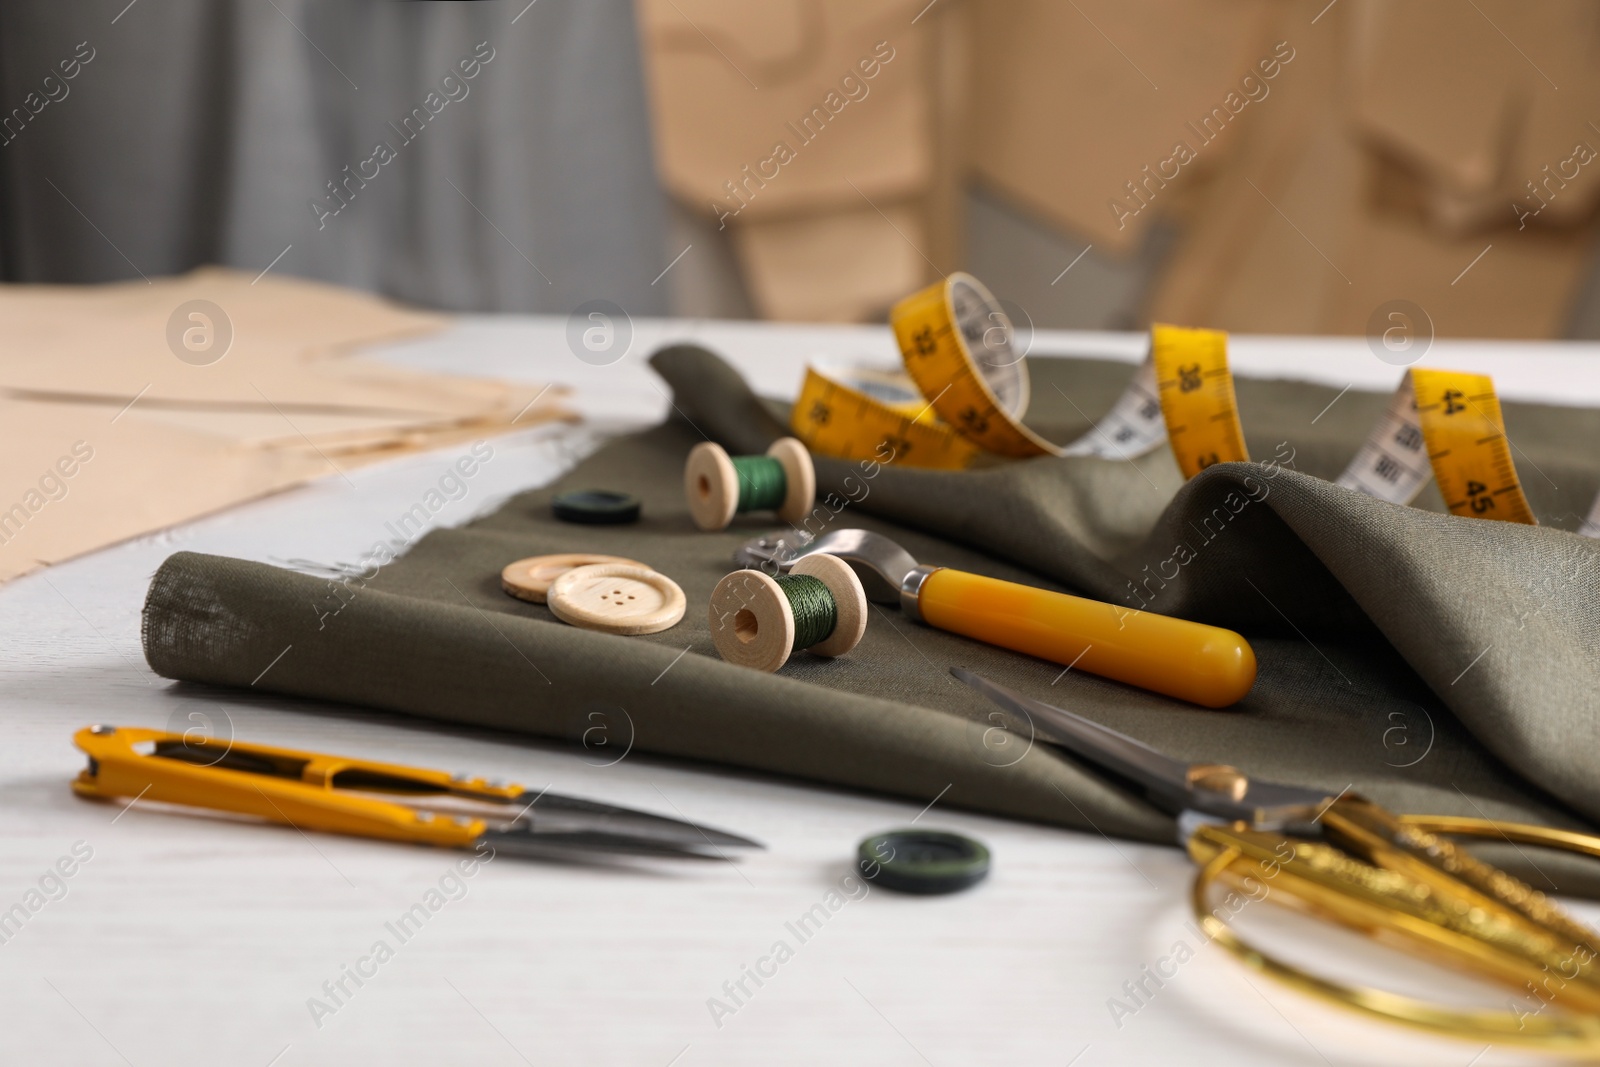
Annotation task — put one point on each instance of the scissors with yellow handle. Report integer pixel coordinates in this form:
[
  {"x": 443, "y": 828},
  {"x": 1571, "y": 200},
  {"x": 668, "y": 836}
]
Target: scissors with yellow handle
[
  {"x": 1394, "y": 878},
  {"x": 365, "y": 798}
]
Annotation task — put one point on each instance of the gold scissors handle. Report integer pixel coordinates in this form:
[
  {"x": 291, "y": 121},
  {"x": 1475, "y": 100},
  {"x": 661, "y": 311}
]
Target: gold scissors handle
[{"x": 1395, "y": 879}]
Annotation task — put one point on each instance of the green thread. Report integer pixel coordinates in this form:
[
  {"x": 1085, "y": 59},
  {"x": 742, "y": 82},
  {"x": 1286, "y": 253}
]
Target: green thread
[
  {"x": 762, "y": 483},
  {"x": 815, "y": 613}
]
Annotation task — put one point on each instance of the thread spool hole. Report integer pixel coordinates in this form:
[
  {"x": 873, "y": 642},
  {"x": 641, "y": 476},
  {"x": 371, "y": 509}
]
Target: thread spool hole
[
  {"x": 746, "y": 626},
  {"x": 703, "y": 487}
]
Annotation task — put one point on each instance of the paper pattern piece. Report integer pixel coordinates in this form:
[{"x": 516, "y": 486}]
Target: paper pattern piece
[{"x": 129, "y": 407}]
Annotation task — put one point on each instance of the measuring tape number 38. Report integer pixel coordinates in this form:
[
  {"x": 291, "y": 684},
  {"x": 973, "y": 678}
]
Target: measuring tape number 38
[{"x": 965, "y": 388}]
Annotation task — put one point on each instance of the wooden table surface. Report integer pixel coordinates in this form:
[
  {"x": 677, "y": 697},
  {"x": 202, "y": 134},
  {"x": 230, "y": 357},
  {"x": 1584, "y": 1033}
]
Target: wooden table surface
[{"x": 180, "y": 939}]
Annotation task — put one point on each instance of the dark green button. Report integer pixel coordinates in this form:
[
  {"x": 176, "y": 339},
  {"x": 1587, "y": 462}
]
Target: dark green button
[
  {"x": 594, "y": 506},
  {"x": 922, "y": 861}
]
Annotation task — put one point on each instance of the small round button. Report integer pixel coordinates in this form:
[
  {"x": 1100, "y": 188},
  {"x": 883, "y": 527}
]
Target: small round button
[
  {"x": 617, "y": 598},
  {"x": 595, "y": 507},
  {"x": 529, "y": 579},
  {"x": 922, "y": 861}
]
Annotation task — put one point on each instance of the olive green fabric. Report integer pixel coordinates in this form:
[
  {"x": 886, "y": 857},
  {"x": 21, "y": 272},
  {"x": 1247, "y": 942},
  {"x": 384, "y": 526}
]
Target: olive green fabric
[{"x": 1434, "y": 664}]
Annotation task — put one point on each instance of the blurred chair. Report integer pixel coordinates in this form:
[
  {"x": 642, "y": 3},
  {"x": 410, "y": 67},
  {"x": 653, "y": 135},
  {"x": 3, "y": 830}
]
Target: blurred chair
[{"x": 818, "y": 143}]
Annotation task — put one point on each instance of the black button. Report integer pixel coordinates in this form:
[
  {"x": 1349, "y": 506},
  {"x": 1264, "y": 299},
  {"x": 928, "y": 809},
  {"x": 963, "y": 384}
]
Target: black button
[
  {"x": 594, "y": 506},
  {"x": 922, "y": 861}
]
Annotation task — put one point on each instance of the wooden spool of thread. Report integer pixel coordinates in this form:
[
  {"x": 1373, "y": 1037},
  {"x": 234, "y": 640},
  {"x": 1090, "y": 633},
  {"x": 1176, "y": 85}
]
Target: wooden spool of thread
[
  {"x": 759, "y": 621},
  {"x": 718, "y": 485}
]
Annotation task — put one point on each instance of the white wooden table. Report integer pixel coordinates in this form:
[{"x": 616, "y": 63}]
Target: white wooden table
[{"x": 188, "y": 940}]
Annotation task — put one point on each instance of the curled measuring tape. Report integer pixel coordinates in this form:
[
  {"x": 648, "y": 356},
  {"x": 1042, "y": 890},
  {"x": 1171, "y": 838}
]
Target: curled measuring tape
[
  {"x": 864, "y": 414},
  {"x": 956, "y": 342},
  {"x": 1197, "y": 403},
  {"x": 1447, "y": 424},
  {"x": 965, "y": 390}
]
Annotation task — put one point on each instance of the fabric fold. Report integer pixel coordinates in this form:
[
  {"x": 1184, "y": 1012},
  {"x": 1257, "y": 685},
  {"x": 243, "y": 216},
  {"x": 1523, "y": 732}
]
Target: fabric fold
[{"x": 1435, "y": 664}]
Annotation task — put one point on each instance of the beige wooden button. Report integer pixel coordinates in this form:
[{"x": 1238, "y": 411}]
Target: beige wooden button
[
  {"x": 617, "y": 598},
  {"x": 529, "y": 579}
]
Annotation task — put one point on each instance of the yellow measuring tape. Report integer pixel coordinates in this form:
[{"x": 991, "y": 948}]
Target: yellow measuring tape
[
  {"x": 1446, "y": 424},
  {"x": 858, "y": 414},
  {"x": 956, "y": 342},
  {"x": 1467, "y": 445},
  {"x": 1197, "y": 401},
  {"x": 965, "y": 390}
]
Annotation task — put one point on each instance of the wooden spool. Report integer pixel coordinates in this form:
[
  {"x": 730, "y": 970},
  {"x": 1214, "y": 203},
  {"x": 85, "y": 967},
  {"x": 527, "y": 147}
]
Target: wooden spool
[
  {"x": 752, "y": 623},
  {"x": 711, "y": 485}
]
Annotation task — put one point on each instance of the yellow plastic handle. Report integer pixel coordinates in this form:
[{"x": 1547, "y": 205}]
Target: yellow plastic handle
[
  {"x": 307, "y": 790},
  {"x": 1205, "y": 665}
]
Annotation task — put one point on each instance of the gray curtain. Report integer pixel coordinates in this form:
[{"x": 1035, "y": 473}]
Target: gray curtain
[{"x": 203, "y": 131}]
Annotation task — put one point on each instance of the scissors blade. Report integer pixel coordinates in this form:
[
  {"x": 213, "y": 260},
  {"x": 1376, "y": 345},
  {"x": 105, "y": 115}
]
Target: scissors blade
[
  {"x": 1166, "y": 781},
  {"x": 1163, "y": 778},
  {"x": 553, "y": 818},
  {"x": 523, "y": 841}
]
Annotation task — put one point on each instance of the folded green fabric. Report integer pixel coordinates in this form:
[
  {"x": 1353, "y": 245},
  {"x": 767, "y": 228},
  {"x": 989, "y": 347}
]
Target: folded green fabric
[{"x": 1434, "y": 664}]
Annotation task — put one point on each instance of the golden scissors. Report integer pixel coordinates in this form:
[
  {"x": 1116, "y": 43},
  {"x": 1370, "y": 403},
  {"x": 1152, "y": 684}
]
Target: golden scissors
[{"x": 1394, "y": 878}]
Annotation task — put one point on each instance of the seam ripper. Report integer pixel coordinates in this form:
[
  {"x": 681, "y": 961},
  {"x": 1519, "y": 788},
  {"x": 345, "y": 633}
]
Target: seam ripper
[{"x": 1205, "y": 665}]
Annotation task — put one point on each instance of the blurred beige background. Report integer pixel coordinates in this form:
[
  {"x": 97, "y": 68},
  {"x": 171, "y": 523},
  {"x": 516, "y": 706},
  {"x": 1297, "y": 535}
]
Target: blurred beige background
[
  {"x": 1254, "y": 165},
  {"x": 1288, "y": 166}
]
